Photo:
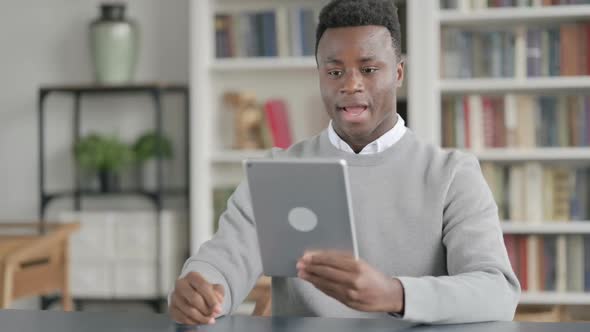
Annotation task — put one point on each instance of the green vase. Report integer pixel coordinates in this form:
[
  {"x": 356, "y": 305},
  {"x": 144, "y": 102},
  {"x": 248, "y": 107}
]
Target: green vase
[{"x": 114, "y": 42}]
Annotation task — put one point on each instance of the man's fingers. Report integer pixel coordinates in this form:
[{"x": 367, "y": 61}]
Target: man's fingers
[
  {"x": 196, "y": 301},
  {"x": 179, "y": 317},
  {"x": 219, "y": 289},
  {"x": 220, "y": 293},
  {"x": 325, "y": 286},
  {"x": 335, "y": 259},
  {"x": 331, "y": 274},
  {"x": 191, "y": 297},
  {"x": 185, "y": 311},
  {"x": 204, "y": 288}
]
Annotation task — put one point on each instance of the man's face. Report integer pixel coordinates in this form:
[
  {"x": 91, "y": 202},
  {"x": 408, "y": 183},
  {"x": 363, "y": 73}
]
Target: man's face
[{"x": 359, "y": 74}]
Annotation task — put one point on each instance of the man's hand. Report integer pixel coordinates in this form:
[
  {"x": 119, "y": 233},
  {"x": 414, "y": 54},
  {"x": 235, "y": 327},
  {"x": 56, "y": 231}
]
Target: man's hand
[
  {"x": 352, "y": 282},
  {"x": 195, "y": 301}
]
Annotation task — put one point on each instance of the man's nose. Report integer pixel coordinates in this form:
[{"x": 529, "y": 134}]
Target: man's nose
[{"x": 353, "y": 83}]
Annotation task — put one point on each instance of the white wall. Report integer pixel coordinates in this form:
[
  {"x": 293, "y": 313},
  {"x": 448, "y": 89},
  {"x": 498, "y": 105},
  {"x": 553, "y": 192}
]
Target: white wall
[{"x": 45, "y": 42}]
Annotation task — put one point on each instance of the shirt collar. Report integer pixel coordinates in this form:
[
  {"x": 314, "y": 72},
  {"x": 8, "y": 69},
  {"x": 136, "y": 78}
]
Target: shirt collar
[{"x": 382, "y": 143}]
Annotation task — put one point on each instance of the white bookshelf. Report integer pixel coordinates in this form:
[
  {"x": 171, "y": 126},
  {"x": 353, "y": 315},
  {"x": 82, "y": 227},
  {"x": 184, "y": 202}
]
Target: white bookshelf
[
  {"x": 515, "y": 16},
  {"x": 245, "y": 64},
  {"x": 546, "y": 227},
  {"x": 555, "y": 298},
  {"x": 427, "y": 89},
  {"x": 515, "y": 85},
  {"x": 233, "y": 156},
  {"x": 538, "y": 154}
]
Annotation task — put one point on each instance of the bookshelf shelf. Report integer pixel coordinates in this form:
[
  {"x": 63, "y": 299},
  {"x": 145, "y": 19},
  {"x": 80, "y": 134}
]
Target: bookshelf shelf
[
  {"x": 555, "y": 298},
  {"x": 547, "y": 227},
  {"x": 441, "y": 31},
  {"x": 236, "y": 156},
  {"x": 513, "y": 85},
  {"x": 536, "y": 154},
  {"x": 269, "y": 63},
  {"x": 515, "y": 16}
]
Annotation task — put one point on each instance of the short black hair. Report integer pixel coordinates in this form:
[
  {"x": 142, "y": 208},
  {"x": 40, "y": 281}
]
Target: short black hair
[{"x": 352, "y": 13}]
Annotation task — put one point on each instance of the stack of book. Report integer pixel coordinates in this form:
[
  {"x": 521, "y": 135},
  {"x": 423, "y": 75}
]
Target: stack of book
[
  {"x": 537, "y": 193},
  {"x": 517, "y": 121},
  {"x": 279, "y": 32},
  {"x": 531, "y": 193},
  {"x": 521, "y": 52},
  {"x": 550, "y": 263}
]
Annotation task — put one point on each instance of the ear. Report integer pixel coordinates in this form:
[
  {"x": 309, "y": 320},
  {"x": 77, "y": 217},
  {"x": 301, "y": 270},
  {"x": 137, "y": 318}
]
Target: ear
[{"x": 399, "y": 72}]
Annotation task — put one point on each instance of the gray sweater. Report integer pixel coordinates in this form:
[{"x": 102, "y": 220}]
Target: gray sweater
[{"x": 423, "y": 215}]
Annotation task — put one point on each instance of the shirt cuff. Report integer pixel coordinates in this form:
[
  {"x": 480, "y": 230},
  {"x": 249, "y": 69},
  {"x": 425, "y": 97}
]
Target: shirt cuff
[{"x": 395, "y": 314}]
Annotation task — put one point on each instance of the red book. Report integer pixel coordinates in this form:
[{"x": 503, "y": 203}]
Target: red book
[
  {"x": 466, "y": 120},
  {"x": 489, "y": 125},
  {"x": 500, "y": 123},
  {"x": 510, "y": 243},
  {"x": 522, "y": 263},
  {"x": 569, "y": 49},
  {"x": 583, "y": 49},
  {"x": 278, "y": 122},
  {"x": 588, "y": 48}
]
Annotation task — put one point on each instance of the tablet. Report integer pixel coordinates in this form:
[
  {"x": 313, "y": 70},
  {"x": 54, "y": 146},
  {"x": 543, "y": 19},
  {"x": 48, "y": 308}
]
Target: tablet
[{"x": 299, "y": 205}]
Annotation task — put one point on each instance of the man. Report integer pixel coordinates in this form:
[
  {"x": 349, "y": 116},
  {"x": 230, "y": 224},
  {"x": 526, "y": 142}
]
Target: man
[{"x": 428, "y": 232}]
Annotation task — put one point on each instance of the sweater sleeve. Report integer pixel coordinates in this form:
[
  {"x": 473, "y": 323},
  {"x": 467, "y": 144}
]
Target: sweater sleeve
[
  {"x": 480, "y": 285},
  {"x": 232, "y": 257}
]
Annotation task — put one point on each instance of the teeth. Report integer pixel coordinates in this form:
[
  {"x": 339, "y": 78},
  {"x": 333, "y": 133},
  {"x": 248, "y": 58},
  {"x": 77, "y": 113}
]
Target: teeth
[{"x": 356, "y": 110}]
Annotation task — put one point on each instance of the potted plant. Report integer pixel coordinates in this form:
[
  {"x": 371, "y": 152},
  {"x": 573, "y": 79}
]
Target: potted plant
[
  {"x": 147, "y": 149},
  {"x": 105, "y": 156}
]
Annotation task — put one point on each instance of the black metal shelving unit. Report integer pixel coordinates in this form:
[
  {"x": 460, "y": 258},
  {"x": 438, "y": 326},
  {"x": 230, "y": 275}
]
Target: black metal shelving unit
[{"x": 155, "y": 91}]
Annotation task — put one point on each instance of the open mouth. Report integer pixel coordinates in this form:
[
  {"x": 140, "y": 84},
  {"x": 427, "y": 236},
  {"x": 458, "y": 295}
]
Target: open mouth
[{"x": 353, "y": 110}]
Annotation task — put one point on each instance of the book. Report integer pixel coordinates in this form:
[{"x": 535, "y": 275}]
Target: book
[
  {"x": 278, "y": 121},
  {"x": 534, "y": 192},
  {"x": 549, "y": 265},
  {"x": 280, "y": 32},
  {"x": 516, "y": 193},
  {"x": 520, "y": 52},
  {"x": 534, "y": 52},
  {"x": 533, "y": 263},
  {"x": 516, "y": 121},
  {"x": 523, "y": 263},
  {"x": 561, "y": 264},
  {"x": 575, "y": 263},
  {"x": 587, "y": 263},
  {"x": 568, "y": 49}
]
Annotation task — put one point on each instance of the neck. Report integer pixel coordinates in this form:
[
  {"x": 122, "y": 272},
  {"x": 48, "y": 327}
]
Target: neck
[{"x": 357, "y": 144}]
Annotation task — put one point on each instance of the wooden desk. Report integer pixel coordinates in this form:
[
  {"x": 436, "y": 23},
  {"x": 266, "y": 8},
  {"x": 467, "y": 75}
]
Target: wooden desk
[{"x": 33, "y": 264}]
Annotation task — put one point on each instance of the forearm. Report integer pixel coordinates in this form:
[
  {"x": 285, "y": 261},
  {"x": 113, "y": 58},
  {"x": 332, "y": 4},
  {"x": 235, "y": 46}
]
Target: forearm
[
  {"x": 470, "y": 297},
  {"x": 232, "y": 257}
]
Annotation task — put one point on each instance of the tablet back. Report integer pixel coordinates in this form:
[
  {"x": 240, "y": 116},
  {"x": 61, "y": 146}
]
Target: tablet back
[{"x": 299, "y": 205}]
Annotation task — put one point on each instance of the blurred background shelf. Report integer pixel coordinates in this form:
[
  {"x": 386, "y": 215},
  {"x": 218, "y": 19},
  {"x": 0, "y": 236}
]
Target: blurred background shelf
[
  {"x": 546, "y": 227},
  {"x": 533, "y": 154},
  {"x": 269, "y": 63},
  {"x": 511, "y": 15},
  {"x": 514, "y": 85},
  {"x": 236, "y": 156},
  {"x": 555, "y": 298}
]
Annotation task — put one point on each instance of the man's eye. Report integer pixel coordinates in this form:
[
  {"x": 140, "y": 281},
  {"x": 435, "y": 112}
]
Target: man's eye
[
  {"x": 369, "y": 70},
  {"x": 335, "y": 73}
]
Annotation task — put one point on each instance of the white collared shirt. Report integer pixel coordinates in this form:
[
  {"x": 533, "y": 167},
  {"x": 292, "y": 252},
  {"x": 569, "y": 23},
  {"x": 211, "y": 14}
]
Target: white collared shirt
[{"x": 380, "y": 144}]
